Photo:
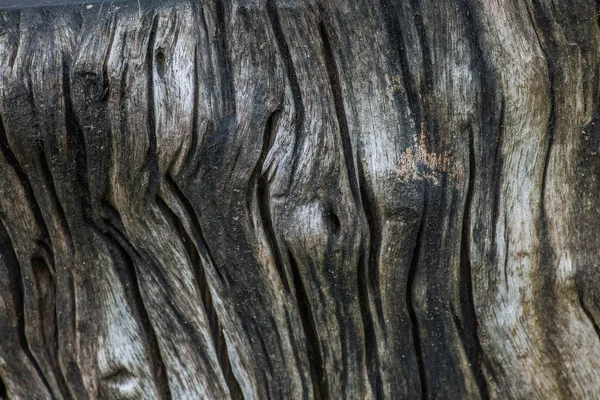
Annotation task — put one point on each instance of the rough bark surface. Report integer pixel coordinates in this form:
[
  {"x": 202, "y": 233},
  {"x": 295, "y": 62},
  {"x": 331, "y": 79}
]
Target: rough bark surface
[{"x": 286, "y": 199}]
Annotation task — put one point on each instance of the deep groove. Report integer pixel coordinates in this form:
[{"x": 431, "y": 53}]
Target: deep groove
[
  {"x": 76, "y": 141},
  {"x": 19, "y": 302},
  {"x": 368, "y": 328},
  {"x": 206, "y": 298},
  {"x": 497, "y": 179},
  {"x": 263, "y": 198},
  {"x": 226, "y": 75},
  {"x": 317, "y": 367},
  {"x": 202, "y": 249},
  {"x": 589, "y": 315},
  {"x": 46, "y": 302},
  {"x": 492, "y": 128},
  {"x": 11, "y": 160},
  {"x": 195, "y": 222},
  {"x": 338, "y": 100},
  {"x": 471, "y": 342},
  {"x": 46, "y": 176},
  {"x": 416, "y": 336},
  {"x": 371, "y": 276},
  {"x": 549, "y": 55},
  {"x": 286, "y": 55},
  {"x": 152, "y": 157},
  {"x": 547, "y": 276},
  {"x": 398, "y": 47},
  {"x": 3, "y": 393},
  {"x": 196, "y": 106},
  {"x": 375, "y": 236},
  {"x": 425, "y": 92},
  {"x": 129, "y": 255}
]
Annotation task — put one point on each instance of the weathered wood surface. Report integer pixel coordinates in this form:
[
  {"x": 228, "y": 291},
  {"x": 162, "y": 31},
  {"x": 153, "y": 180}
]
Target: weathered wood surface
[{"x": 292, "y": 199}]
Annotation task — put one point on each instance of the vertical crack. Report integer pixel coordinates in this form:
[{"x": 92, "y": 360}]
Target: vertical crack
[
  {"x": 152, "y": 157},
  {"x": 550, "y": 54},
  {"x": 590, "y": 315},
  {"x": 3, "y": 392},
  {"x": 426, "y": 88},
  {"x": 16, "y": 278},
  {"x": 206, "y": 297},
  {"x": 367, "y": 269},
  {"x": 316, "y": 364},
  {"x": 286, "y": 55},
  {"x": 370, "y": 277},
  {"x": 226, "y": 74},
  {"x": 259, "y": 183},
  {"x": 416, "y": 336},
  {"x": 338, "y": 101},
  {"x": 401, "y": 66},
  {"x": 47, "y": 309},
  {"x": 469, "y": 324},
  {"x": 12, "y": 161},
  {"x": 129, "y": 273}
]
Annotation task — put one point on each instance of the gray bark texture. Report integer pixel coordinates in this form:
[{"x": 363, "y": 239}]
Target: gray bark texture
[{"x": 300, "y": 199}]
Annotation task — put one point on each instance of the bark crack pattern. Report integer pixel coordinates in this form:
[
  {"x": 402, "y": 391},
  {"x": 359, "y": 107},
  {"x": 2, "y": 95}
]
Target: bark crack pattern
[{"x": 299, "y": 199}]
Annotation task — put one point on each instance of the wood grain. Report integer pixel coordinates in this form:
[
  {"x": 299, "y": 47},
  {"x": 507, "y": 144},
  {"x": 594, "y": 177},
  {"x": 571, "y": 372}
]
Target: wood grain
[{"x": 300, "y": 199}]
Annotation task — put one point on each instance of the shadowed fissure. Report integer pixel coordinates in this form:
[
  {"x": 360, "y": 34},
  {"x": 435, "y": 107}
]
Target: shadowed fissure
[
  {"x": 410, "y": 290},
  {"x": 17, "y": 291},
  {"x": 110, "y": 228},
  {"x": 366, "y": 274},
  {"x": 544, "y": 292},
  {"x": 259, "y": 183},
  {"x": 284, "y": 51},
  {"x": 195, "y": 246},
  {"x": 467, "y": 328},
  {"x": 3, "y": 393}
]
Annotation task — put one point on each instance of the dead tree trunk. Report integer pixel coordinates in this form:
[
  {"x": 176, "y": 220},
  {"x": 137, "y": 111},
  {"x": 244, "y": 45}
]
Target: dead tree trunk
[{"x": 286, "y": 199}]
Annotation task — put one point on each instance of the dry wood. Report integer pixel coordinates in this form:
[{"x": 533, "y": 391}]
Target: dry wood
[{"x": 287, "y": 199}]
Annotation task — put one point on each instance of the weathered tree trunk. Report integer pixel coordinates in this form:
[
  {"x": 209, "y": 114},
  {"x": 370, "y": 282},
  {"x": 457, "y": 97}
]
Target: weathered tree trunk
[{"x": 286, "y": 199}]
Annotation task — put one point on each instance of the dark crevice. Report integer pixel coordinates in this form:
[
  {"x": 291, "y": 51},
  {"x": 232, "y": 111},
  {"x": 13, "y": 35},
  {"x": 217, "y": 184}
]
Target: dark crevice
[
  {"x": 206, "y": 297},
  {"x": 338, "y": 100},
  {"x": 129, "y": 275},
  {"x": 370, "y": 277},
  {"x": 370, "y": 337},
  {"x": 427, "y": 84},
  {"x": 11, "y": 159},
  {"x": 198, "y": 232},
  {"x": 542, "y": 23},
  {"x": 47, "y": 309},
  {"x": 76, "y": 140},
  {"x": 399, "y": 61},
  {"x": 545, "y": 289},
  {"x": 375, "y": 238},
  {"x": 589, "y": 315},
  {"x": 204, "y": 253},
  {"x": 18, "y": 291},
  {"x": 3, "y": 393},
  {"x": 470, "y": 338},
  {"x": 491, "y": 115},
  {"x": 48, "y": 183},
  {"x": 498, "y": 176},
  {"x": 506, "y": 249},
  {"x": 226, "y": 74},
  {"x": 193, "y": 150},
  {"x": 286, "y": 55},
  {"x": 410, "y": 291},
  {"x": 263, "y": 199},
  {"x": 313, "y": 348},
  {"x": 152, "y": 157}
]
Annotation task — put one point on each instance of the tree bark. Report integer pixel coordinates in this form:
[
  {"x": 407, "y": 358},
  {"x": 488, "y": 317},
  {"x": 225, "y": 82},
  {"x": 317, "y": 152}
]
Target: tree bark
[{"x": 286, "y": 199}]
